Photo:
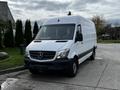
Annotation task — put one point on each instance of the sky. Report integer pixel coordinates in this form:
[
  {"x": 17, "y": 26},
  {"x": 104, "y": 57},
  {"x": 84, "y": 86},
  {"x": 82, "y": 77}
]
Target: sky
[{"x": 41, "y": 9}]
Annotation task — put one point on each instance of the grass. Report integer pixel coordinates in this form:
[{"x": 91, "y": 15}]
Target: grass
[
  {"x": 15, "y": 59},
  {"x": 108, "y": 41}
]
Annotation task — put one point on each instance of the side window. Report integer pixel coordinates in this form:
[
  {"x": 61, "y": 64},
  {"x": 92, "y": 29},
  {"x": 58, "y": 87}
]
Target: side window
[
  {"x": 79, "y": 29},
  {"x": 79, "y": 36}
]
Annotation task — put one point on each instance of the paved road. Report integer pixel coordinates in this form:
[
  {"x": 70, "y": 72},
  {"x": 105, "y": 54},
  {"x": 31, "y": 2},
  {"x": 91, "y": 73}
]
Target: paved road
[{"x": 101, "y": 74}]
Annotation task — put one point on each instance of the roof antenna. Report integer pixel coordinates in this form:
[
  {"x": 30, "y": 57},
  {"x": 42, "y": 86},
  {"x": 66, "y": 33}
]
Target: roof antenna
[
  {"x": 58, "y": 20},
  {"x": 69, "y": 13}
]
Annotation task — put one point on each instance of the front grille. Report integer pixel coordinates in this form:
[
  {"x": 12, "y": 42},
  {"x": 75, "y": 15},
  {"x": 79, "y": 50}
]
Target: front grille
[{"x": 42, "y": 55}]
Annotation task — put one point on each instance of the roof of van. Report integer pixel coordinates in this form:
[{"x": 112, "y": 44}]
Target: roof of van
[{"x": 66, "y": 20}]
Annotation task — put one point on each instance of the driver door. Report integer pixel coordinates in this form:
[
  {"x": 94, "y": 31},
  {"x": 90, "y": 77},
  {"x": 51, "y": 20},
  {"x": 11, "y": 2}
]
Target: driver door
[{"x": 79, "y": 44}]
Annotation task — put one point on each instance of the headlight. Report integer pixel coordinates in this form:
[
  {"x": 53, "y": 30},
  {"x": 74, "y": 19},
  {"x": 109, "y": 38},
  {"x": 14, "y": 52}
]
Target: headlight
[{"x": 62, "y": 54}]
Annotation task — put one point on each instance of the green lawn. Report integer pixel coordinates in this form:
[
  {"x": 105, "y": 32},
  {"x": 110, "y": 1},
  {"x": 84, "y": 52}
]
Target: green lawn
[
  {"x": 108, "y": 41},
  {"x": 14, "y": 60}
]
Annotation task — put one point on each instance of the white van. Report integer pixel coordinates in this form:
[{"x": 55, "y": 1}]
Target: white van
[{"x": 62, "y": 44}]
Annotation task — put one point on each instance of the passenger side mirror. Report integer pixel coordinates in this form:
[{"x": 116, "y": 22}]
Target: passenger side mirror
[{"x": 79, "y": 37}]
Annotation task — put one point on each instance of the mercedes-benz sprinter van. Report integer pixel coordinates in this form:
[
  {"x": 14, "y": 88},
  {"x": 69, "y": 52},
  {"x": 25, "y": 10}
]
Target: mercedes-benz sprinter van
[{"x": 62, "y": 44}]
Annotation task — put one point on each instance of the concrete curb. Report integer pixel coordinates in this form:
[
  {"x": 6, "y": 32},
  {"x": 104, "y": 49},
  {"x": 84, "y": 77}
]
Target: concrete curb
[{"x": 10, "y": 70}]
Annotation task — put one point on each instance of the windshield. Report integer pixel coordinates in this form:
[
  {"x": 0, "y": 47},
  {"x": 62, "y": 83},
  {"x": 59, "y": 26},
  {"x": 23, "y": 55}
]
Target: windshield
[{"x": 56, "y": 32}]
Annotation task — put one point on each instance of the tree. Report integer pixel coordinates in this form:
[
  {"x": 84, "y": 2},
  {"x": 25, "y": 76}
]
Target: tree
[
  {"x": 35, "y": 29},
  {"x": 100, "y": 24},
  {"x": 19, "y": 37},
  {"x": 28, "y": 32},
  {"x": 8, "y": 37},
  {"x": 0, "y": 39},
  {"x": 3, "y": 26}
]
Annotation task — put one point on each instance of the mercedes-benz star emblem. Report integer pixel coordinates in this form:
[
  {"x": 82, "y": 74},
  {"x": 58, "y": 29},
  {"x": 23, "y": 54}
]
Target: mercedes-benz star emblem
[{"x": 40, "y": 54}]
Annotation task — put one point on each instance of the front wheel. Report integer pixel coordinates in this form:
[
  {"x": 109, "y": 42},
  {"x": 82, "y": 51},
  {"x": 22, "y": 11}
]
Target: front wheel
[{"x": 73, "y": 69}]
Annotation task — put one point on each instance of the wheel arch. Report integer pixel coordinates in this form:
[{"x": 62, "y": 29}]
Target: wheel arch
[{"x": 76, "y": 59}]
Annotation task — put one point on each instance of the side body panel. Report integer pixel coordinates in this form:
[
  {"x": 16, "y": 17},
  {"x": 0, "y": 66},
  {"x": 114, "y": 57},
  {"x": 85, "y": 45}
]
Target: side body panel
[{"x": 83, "y": 49}]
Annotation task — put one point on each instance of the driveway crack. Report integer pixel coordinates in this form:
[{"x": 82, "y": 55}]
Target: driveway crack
[{"x": 101, "y": 75}]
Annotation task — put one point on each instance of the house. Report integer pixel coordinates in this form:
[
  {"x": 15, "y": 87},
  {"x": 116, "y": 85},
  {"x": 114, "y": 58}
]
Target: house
[{"x": 5, "y": 13}]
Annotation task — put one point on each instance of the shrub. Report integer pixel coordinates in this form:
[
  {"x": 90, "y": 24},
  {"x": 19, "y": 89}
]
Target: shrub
[
  {"x": 8, "y": 37},
  {"x": 19, "y": 37},
  {"x": 35, "y": 29},
  {"x": 28, "y": 32}
]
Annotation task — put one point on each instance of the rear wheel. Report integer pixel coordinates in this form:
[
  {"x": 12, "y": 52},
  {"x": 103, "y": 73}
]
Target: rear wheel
[{"x": 92, "y": 57}]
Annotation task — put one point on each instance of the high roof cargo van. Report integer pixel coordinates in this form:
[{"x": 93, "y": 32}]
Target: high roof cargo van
[{"x": 62, "y": 44}]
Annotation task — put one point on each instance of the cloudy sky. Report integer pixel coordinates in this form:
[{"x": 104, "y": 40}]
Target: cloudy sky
[{"x": 40, "y": 9}]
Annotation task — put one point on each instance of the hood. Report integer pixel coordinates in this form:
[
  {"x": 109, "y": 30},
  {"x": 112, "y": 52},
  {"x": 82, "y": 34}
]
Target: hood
[{"x": 49, "y": 45}]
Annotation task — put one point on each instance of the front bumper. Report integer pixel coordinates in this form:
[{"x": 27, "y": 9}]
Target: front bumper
[{"x": 59, "y": 64}]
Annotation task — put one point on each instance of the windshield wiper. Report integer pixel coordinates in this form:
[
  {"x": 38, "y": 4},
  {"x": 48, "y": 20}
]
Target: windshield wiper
[
  {"x": 61, "y": 41},
  {"x": 37, "y": 40}
]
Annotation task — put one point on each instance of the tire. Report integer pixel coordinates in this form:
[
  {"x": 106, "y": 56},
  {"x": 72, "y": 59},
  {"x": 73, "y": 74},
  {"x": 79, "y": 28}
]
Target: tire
[
  {"x": 73, "y": 69},
  {"x": 92, "y": 57},
  {"x": 33, "y": 71}
]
